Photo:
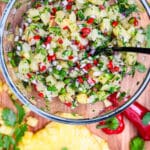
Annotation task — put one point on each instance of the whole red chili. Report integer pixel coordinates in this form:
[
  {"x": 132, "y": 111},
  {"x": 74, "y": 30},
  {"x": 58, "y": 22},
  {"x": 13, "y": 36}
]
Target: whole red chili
[
  {"x": 85, "y": 32},
  {"x": 113, "y": 125},
  {"x": 135, "y": 113}
]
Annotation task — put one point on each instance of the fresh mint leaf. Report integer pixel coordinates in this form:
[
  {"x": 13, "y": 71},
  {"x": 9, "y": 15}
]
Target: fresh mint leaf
[
  {"x": 146, "y": 119},
  {"x": 9, "y": 117},
  {"x": 20, "y": 114},
  {"x": 137, "y": 144}
]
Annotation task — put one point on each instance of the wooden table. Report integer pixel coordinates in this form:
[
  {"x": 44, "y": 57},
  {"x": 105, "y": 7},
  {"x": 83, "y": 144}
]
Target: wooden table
[{"x": 121, "y": 141}]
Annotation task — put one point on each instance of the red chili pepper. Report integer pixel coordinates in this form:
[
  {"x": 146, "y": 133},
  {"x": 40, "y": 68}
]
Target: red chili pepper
[
  {"x": 85, "y": 32},
  {"x": 51, "y": 57},
  {"x": 68, "y": 104},
  {"x": 115, "y": 23},
  {"x": 113, "y": 98},
  {"x": 90, "y": 20},
  {"x": 37, "y": 37},
  {"x": 113, "y": 125},
  {"x": 135, "y": 113}
]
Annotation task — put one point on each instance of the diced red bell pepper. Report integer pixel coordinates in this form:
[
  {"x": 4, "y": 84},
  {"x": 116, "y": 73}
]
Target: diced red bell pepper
[
  {"x": 90, "y": 20},
  {"x": 80, "y": 79},
  {"x": 51, "y": 57},
  {"x": 70, "y": 57},
  {"x": 136, "y": 22},
  {"x": 40, "y": 94},
  {"x": 42, "y": 68},
  {"x": 37, "y": 37},
  {"x": 85, "y": 32},
  {"x": 115, "y": 23},
  {"x": 68, "y": 104},
  {"x": 87, "y": 66},
  {"x": 60, "y": 41},
  {"x": 69, "y": 6}
]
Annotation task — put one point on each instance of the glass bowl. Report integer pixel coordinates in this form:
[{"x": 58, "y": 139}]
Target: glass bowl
[{"x": 12, "y": 17}]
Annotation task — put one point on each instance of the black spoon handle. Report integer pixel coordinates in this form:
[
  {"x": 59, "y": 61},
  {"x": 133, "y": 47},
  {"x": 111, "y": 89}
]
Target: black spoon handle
[{"x": 132, "y": 49}]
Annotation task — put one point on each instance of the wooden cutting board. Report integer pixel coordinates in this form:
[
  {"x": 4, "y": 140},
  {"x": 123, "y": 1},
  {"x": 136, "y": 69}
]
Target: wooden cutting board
[{"x": 121, "y": 141}]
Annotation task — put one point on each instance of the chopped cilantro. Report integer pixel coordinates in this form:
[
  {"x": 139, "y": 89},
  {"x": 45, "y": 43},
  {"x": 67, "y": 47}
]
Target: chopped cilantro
[{"x": 9, "y": 117}]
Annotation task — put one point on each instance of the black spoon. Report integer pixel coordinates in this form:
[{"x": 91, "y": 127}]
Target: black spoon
[{"x": 111, "y": 50}]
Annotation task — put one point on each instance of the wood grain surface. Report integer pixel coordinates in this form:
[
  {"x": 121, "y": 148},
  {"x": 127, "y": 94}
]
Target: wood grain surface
[{"x": 116, "y": 142}]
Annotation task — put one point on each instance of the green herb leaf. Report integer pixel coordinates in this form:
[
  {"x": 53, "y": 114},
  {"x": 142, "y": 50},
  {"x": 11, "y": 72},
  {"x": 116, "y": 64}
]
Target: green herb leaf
[
  {"x": 7, "y": 142},
  {"x": 80, "y": 14},
  {"x": 52, "y": 88},
  {"x": 148, "y": 36},
  {"x": 140, "y": 67},
  {"x": 21, "y": 113},
  {"x": 9, "y": 117},
  {"x": 137, "y": 144},
  {"x": 146, "y": 119},
  {"x": 19, "y": 132}
]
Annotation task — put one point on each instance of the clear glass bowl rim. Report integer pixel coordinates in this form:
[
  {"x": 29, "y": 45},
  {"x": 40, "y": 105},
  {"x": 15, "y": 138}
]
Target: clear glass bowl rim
[{"x": 52, "y": 117}]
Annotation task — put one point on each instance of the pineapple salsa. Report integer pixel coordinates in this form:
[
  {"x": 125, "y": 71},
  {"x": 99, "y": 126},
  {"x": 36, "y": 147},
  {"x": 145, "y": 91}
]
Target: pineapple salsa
[{"x": 54, "y": 45}]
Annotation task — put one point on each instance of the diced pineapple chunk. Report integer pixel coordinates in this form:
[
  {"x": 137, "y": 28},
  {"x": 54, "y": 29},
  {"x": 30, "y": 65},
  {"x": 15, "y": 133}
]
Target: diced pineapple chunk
[
  {"x": 33, "y": 12},
  {"x": 45, "y": 17},
  {"x": 31, "y": 121},
  {"x": 82, "y": 98},
  {"x": 104, "y": 78},
  {"x": 131, "y": 58},
  {"x": 23, "y": 67}
]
